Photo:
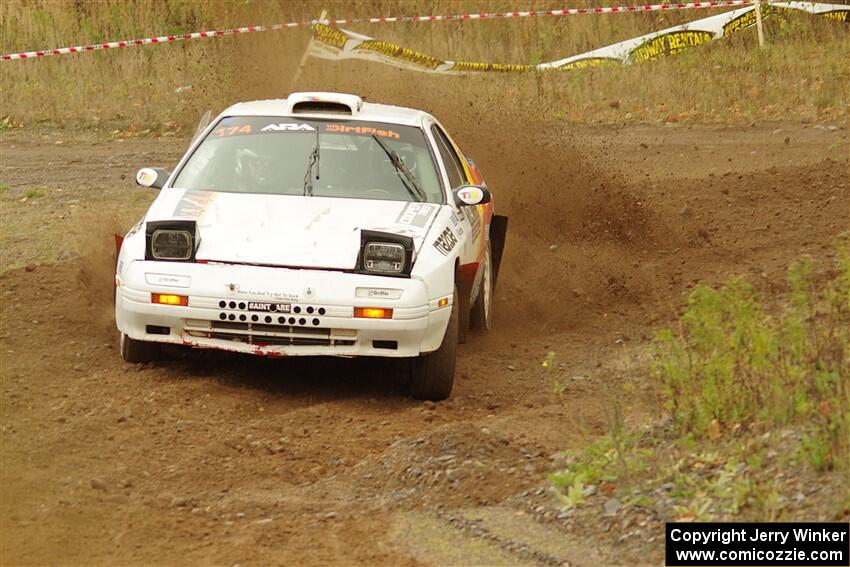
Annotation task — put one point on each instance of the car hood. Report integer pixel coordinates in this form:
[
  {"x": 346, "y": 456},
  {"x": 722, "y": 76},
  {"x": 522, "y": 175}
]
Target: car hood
[{"x": 283, "y": 230}]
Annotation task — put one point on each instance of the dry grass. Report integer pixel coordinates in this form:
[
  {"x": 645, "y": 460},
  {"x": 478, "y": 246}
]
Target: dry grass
[{"x": 801, "y": 75}]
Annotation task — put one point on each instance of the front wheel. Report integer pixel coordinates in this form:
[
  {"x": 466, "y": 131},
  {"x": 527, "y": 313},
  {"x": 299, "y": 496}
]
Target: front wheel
[
  {"x": 482, "y": 312},
  {"x": 433, "y": 374},
  {"x": 137, "y": 351}
]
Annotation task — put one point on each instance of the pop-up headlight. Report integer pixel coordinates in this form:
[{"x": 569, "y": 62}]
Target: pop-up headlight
[
  {"x": 385, "y": 254},
  {"x": 171, "y": 240},
  {"x": 383, "y": 257}
]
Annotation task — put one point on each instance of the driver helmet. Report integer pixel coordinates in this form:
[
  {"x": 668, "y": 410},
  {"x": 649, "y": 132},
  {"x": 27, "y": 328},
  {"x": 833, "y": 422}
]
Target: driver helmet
[{"x": 256, "y": 169}]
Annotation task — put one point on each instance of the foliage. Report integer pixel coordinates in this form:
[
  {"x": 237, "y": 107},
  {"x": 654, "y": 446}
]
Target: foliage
[
  {"x": 753, "y": 389},
  {"x": 731, "y": 362},
  {"x": 609, "y": 458}
]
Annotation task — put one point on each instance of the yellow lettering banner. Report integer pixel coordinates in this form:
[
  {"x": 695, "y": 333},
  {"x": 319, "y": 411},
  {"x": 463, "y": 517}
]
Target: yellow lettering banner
[{"x": 333, "y": 43}]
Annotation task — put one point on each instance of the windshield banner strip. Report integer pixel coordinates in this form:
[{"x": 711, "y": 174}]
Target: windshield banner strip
[{"x": 230, "y": 127}]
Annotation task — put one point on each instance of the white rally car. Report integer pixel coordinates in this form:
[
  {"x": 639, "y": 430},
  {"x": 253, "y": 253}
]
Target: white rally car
[{"x": 318, "y": 224}]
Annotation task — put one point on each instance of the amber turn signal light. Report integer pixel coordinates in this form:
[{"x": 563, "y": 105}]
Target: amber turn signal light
[
  {"x": 373, "y": 313},
  {"x": 169, "y": 299}
]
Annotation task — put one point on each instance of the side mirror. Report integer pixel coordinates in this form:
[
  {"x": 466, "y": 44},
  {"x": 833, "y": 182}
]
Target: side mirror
[
  {"x": 152, "y": 177},
  {"x": 471, "y": 195}
]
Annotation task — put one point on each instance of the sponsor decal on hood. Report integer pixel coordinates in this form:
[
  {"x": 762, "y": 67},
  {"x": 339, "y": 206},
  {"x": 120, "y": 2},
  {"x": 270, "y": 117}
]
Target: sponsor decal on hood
[
  {"x": 416, "y": 214},
  {"x": 193, "y": 204}
]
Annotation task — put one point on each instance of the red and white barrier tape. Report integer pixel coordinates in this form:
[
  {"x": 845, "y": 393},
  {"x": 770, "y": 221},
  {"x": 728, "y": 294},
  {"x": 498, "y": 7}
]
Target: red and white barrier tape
[
  {"x": 559, "y": 12},
  {"x": 379, "y": 20},
  {"x": 148, "y": 41}
]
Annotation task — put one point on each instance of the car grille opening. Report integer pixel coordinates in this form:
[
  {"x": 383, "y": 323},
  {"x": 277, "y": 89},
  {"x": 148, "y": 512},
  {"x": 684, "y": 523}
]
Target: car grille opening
[
  {"x": 277, "y": 335},
  {"x": 157, "y": 330}
]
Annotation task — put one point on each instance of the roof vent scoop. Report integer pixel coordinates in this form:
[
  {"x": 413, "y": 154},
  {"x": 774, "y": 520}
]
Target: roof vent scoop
[
  {"x": 320, "y": 107},
  {"x": 324, "y": 103}
]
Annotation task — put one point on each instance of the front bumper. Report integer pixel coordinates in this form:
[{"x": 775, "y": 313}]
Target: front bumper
[{"x": 320, "y": 318}]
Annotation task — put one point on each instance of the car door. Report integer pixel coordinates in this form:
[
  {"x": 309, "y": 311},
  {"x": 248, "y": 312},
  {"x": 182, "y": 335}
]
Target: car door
[{"x": 472, "y": 219}]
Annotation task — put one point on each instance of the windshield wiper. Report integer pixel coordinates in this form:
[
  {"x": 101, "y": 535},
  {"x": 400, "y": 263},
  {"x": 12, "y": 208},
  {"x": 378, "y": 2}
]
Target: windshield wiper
[
  {"x": 407, "y": 178},
  {"x": 312, "y": 159}
]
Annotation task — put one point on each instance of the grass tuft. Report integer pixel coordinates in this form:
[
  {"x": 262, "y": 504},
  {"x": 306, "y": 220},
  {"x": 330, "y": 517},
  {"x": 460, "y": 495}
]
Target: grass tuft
[{"x": 732, "y": 364}]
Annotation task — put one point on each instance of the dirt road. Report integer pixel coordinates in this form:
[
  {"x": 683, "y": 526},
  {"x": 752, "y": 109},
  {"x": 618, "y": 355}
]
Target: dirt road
[{"x": 215, "y": 459}]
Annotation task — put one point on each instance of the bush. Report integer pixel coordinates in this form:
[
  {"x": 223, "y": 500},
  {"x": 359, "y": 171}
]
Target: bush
[{"x": 731, "y": 363}]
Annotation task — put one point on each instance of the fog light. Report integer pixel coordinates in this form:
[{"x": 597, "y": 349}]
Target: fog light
[
  {"x": 443, "y": 302},
  {"x": 373, "y": 313},
  {"x": 169, "y": 299}
]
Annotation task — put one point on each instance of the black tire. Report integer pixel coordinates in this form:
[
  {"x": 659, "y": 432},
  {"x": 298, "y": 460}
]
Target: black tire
[
  {"x": 432, "y": 375},
  {"x": 481, "y": 319},
  {"x": 137, "y": 351}
]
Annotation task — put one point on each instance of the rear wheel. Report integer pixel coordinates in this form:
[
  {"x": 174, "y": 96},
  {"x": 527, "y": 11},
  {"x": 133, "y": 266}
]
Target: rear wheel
[
  {"x": 433, "y": 374},
  {"x": 482, "y": 311},
  {"x": 137, "y": 351}
]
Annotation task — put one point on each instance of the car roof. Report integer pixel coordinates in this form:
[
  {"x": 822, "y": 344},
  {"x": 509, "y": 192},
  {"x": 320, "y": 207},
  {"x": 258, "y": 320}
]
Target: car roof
[{"x": 357, "y": 108}]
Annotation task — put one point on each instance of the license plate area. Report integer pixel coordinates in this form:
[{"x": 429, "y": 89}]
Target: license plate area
[{"x": 269, "y": 307}]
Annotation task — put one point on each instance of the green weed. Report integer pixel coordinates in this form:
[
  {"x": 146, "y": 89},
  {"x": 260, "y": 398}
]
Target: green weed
[
  {"x": 613, "y": 457},
  {"x": 752, "y": 389},
  {"x": 550, "y": 364},
  {"x": 731, "y": 362}
]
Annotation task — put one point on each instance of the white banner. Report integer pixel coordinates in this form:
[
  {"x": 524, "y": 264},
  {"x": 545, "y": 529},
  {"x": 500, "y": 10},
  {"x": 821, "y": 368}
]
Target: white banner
[{"x": 334, "y": 43}]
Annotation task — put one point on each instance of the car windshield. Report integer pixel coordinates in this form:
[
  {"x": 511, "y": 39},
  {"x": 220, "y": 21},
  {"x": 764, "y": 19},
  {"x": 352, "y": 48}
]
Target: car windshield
[{"x": 257, "y": 154}]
